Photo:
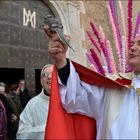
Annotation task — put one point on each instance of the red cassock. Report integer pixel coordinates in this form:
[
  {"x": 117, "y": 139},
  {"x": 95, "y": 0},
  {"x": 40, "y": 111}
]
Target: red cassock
[{"x": 63, "y": 125}]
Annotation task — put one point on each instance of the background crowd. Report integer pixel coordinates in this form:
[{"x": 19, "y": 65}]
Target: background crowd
[
  {"x": 20, "y": 116},
  {"x": 12, "y": 102}
]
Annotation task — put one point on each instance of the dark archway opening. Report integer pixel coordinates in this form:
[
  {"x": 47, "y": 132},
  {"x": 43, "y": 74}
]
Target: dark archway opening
[
  {"x": 37, "y": 81},
  {"x": 10, "y": 76}
]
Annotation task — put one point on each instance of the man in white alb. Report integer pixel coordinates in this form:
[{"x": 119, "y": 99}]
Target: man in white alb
[{"x": 34, "y": 117}]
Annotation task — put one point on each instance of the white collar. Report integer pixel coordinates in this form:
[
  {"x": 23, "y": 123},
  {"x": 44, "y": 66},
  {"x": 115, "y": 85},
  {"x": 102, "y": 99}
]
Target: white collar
[{"x": 43, "y": 96}]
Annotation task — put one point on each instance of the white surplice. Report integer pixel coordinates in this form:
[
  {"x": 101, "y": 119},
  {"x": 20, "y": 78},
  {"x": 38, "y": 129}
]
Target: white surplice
[
  {"x": 33, "y": 118},
  {"x": 115, "y": 111}
]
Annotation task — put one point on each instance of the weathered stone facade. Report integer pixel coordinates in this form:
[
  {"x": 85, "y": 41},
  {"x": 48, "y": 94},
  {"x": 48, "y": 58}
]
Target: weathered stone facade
[{"x": 70, "y": 13}]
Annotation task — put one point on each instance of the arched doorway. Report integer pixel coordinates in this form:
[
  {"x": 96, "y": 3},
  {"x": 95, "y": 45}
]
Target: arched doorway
[{"x": 23, "y": 43}]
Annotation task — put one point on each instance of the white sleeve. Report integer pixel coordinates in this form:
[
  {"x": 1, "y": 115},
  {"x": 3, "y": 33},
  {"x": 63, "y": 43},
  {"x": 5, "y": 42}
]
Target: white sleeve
[
  {"x": 26, "y": 129},
  {"x": 80, "y": 97}
]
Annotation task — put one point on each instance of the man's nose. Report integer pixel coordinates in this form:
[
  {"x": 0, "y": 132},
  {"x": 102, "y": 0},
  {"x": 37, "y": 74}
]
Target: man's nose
[{"x": 49, "y": 75}]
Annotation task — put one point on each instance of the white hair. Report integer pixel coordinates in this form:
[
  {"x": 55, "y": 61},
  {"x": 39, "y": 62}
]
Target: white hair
[{"x": 46, "y": 66}]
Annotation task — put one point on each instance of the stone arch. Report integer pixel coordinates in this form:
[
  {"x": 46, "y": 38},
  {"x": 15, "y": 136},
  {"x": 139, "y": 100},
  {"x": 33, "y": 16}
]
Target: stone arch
[{"x": 69, "y": 12}]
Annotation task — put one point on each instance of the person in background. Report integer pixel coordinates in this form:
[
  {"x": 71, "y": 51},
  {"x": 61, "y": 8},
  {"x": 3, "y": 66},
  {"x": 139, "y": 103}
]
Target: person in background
[
  {"x": 14, "y": 101},
  {"x": 10, "y": 116},
  {"x": 24, "y": 93},
  {"x": 34, "y": 117},
  {"x": 3, "y": 122}
]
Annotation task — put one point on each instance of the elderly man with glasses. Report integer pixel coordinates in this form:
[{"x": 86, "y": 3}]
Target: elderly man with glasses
[{"x": 33, "y": 119}]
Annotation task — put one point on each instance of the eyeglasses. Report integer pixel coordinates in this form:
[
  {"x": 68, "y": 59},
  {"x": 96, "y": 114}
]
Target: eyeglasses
[{"x": 47, "y": 74}]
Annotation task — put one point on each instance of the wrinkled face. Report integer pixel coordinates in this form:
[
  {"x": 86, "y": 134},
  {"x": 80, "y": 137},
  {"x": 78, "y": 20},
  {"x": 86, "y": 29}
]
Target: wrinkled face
[
  {"x": 134, "y": 54},
  {"x": 46, "y": 79}
]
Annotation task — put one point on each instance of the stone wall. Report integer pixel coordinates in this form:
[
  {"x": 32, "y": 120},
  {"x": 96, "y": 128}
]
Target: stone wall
[{"x": 69, "y": 13}]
